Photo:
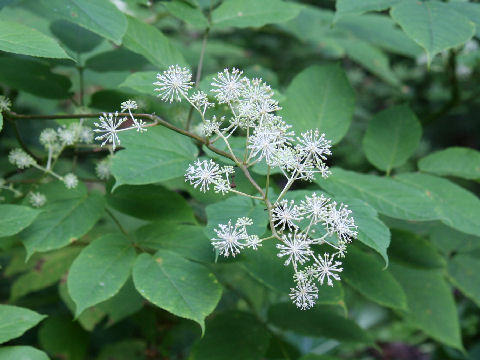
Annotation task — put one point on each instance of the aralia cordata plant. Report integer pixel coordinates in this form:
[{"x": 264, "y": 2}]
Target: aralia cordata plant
[{"x": 298, "y": 228}]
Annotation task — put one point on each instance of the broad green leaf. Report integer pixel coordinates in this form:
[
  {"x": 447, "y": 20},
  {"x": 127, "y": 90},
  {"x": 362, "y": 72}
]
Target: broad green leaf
[
  {"x": 238, "y": 334},
  {"x": 371, "y": 58},
  {"x": 99, "y": 16},
  {"x": 453, "y": 205},
  {"x": 320, "y": 97},
  {"x": 463, "y": 271},
  {"x": 182, "y": 287},
  {"x": 76, "y": 38},
  {"x": 366, "y": 274},
  {"x": 125, "y": 60},
  {"x": 34, "y": 77},
  {"x": 318, "y": 357},
  {"x": 246, "y": 13},
  {"x": 20, "y": 39},
  {"x": 448, "y": 240},
  {"x": 15, "y": 321},
  {"x": 430, "y": 303},
  {"x": 413, "y": 250},
  {"x": 141, "y": 82},
  {"x": 392, "y": 136},
  {"x": 63, "y": 338},
  {"x": 130, "y": 349},
  {"x": 148, "y": 41},
  {"x": 87, "y": 319},
  {"x": 158, "y": 155},
  {"x": 48, "y": 270},
  {"x": 388, "y": 196},
  {"x": 319, "y": 321},
  {"x": 151, "y": 202},
  {"x": 21, "y": 353},
  {"x": 433, "y": 25},
  {"x": 189, "y": 241},
  {"x": 380, "y": 31},
  {"x": 15, "y": 218},
  {"x": 123, "y": 304},
  {"x": 234, "y": 208},
  {"x": 355, "y": 7},
  {"x": 453, "y": 161},
  {"x": 62, "y": 222},
  {"x": 186, "y": 12},
  {"x": 468, "y": 9},
  {"x": 100, "y": 270}
]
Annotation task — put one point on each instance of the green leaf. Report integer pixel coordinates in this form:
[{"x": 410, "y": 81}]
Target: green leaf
[
  {"x": 21, "y": 352},
  {"x": 433, "y": 25},
  {"x": 15, "y": 218},
  {"x": 62, "y": 222},
  {"x": 158, "y": 155},
  {"x": 238, "y": 334},
  {"x": 75, "y": 37},
  {"x": 386, "y": 195},
  {"x": 141, "y": 81},
  {"x": 98, "y": 16},
  {"x": 448, "y": 240},
  {"x": 318, "y": 357},
  {"x": 366, "y": 274},
  {"x": 125, "y": 60},
  {"x": 371, "y": 231},
  {"x": 454, "y": 161},
  {"x": 319, "y": 321},
  {"x": 392, "y": 136},
  {"x": 20, "y": 39},
  {"x": 234, "y": 208},
  {"x": 47, "y": 270},
  {"x": 184, "y": 288},
  {"x": 468, "y": 9},
  {"x": 34, "y": 77},
  {"x": 246, "y": 13},
  {"x": 1, "y": 121},
  {"x": 15, "y": 321},
  {"x": 184, "y": 11},
  {"x": 63, "y": 338},
  {"x": 100, "y": 270},
  {"x": 371, "y": 58},
  {"x": 453, "y": 205},
  {"x": 189, "y": 241},
  {"x": 413, "y": 250},
  {"x": 431, "y": 304},
  {"x": 150, "y": 42},
  {"x": 320, "y": 97},
  {"x": 355, "y": 7},
  {"x": 463, "y": 271},
  {"x": 151, "y": 202}
]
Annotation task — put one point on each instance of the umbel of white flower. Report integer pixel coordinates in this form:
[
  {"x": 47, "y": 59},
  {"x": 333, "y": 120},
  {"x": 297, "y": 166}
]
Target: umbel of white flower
[{"x": 311, "y": 235}]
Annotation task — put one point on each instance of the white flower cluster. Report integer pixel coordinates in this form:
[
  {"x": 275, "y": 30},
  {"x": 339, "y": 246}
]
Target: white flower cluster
[
  {"x": 205, "y": 173},
  {"x": 55, "y": 141},
  {"x": 299, "y": 228},
  {"x": 109, "y": 125},
  {"x": 5, "y": 103}
]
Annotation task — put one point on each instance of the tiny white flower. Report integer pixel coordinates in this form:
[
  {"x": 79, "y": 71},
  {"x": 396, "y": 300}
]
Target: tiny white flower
[
  {"x": 296, "y": 248},
  {"x": 314, "y": 146},
  {"x": 109, "y": 125},
  {"x": 70, "y": 181},
  {"x": 228, "y": 85},
  {"x": 200, "y": 100},
  {"x": 128, "y": 105},
  {"x": 315, "y": 207},
  {"x": 304, "y": 294},
  {"x": 66, "y": 135},
  {"x": 326, "y": 268},
  {"x": 103, "y": 169},
  {"x": 5, "y": 103},
  {"x": 253, "y": 242},
  {"x": 339, "y": 222},
  {"x": 20, "y": 158},
  {"x": 174, "y": 83},
  {"x": 212, "y": 126},
  {"x": 48, "y": 138},
  {"x": 85, "y": 135},
  {"x": 203, "y": 173},
  {"x": 284, "y": 214},
  {"x": 37, "y": 199},
  {"x": 229, "y": 239}
]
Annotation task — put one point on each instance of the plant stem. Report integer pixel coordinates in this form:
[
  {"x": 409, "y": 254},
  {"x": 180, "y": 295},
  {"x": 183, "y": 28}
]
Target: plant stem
[{"x": 116, "y": 221}]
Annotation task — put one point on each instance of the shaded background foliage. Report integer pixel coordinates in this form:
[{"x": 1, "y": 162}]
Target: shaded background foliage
[{"x": 393, "y": 83}]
